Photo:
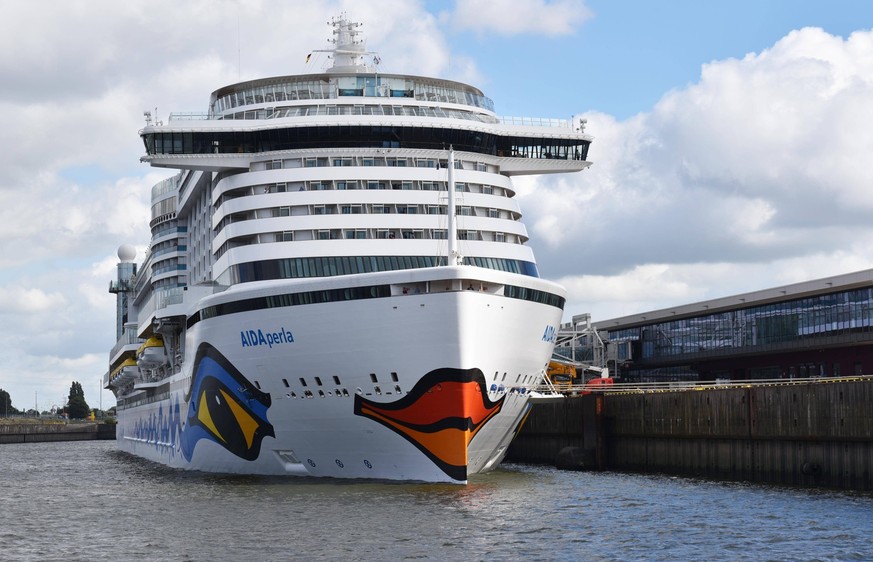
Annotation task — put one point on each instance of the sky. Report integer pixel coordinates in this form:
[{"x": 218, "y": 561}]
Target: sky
[{"x": 731, "y": 154}]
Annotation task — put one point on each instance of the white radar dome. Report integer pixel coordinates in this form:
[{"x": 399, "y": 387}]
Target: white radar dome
[{"x": 126, "y": 253}]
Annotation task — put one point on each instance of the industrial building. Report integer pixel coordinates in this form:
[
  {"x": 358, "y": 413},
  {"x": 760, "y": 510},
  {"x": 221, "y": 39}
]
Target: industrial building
[{"x": 820, "y": 328}]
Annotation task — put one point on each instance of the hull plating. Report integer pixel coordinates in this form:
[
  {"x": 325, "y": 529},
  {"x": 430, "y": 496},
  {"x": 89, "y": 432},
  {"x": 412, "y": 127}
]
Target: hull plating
[{"x": 419, "y": 387}]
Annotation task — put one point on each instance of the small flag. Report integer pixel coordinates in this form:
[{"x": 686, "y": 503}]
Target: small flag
[{"x": 308, "y": 57}]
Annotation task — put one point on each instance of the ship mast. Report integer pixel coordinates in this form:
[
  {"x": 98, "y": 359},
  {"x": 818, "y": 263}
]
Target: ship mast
[
  {"x": 454, "y": 253},
  {"x": 349, "y": 51}
]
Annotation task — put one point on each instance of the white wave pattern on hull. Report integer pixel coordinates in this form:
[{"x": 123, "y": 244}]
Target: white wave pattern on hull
[{"x": 346, "y": 429}]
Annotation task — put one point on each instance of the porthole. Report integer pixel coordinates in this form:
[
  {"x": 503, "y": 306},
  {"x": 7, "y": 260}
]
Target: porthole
[
  {"x": 394, "y": 376},
  {"x": 336, "y": 380},
  {"x": 285, "y": 382},
  {"x": 373, "y": 378},
  {"x": 318, "y": 381}
]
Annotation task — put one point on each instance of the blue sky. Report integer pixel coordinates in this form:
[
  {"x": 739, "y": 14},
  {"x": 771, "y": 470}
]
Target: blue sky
[
  {"x": 629, "y": 53},
  {"x": 729, "y": 154}
]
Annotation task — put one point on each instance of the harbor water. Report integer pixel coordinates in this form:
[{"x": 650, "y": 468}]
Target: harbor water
[{"x": 87, "y": 501}]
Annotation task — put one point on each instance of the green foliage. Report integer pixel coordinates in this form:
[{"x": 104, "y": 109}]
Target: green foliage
[
  {"x": 6, "y": 408},
  {"x": 77, "y": 408}
]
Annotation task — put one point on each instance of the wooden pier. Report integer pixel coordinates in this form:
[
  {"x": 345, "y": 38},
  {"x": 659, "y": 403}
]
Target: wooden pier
[
  {"x": 44, "y": 432},
  {"x": 807, "y": 433}
]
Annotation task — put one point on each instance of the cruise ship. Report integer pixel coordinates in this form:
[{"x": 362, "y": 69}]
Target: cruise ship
[{"x": 338, "y": 282}]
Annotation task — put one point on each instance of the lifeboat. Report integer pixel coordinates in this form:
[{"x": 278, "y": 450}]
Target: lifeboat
[
  {"x": 126, "y": 371},
  {"x": 151, "y": 353}
]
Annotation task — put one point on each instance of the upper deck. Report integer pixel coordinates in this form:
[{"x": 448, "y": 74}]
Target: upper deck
[{"x": 354, "y": 106}]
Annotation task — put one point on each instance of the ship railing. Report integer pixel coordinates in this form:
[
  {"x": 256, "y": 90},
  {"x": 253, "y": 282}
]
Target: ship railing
[
  {"x": 535, "y": 122},
  {"x": 269, "y": 113},
  {"x": 678, "y": 386},
  {"x": 161, "y": 298},
  {"x": 127, "y": 338},
  {"x": 190, "y": 116}
]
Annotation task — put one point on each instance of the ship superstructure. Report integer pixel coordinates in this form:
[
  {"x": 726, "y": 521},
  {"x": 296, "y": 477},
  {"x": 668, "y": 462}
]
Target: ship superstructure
[{"x": 338, "y": 282}]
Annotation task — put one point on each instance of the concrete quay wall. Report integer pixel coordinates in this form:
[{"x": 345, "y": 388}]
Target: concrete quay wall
[
  {"x": 44, "y": 432},
  {"x": 808, "y": 434}
]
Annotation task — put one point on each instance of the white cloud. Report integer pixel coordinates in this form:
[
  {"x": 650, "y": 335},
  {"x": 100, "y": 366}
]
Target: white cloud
[
  {"x": 657, "y": 286},
  {"x": 16, "y": 299},
  {"x": 760, "y": 165}
]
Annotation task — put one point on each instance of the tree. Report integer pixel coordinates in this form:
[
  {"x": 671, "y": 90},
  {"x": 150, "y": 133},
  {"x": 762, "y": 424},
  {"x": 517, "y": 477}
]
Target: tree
[
  {"x": 77, "y": 408},
  {"x": 6, "y": 408}
]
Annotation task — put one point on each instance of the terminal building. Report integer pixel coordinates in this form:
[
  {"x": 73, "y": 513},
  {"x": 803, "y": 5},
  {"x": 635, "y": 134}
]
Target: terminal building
[{"x": 821, "y": 328}]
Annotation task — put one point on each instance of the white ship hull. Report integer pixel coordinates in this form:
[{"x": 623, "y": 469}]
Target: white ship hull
[
  {"x": 338, "y": 281},
  {"x": 431, "y": 386}
]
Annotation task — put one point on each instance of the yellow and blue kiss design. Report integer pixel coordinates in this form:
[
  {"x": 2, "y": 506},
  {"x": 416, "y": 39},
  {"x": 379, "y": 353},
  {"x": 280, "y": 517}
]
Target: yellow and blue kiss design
[{"x": 224, "y": 407}]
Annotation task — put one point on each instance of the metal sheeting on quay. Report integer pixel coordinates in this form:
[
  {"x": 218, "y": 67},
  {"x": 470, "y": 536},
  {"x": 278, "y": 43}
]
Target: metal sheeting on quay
[
  {"x": 45, "y": 432},
  {"x": 808, "y": 432}
]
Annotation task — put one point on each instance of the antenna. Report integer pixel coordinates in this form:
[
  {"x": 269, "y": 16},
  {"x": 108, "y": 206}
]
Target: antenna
[{"x": 454, "y": 254}]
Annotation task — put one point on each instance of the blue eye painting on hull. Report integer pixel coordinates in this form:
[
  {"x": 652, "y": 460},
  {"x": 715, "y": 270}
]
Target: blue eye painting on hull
[{"x": 224, "y": 407}]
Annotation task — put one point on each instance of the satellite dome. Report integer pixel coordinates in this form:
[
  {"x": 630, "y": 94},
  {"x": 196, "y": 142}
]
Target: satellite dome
[{"x": 126, "y": 253}]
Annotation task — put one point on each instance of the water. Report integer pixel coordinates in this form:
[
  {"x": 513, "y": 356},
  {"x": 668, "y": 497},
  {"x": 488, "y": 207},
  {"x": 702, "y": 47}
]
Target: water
[{"x": 87, "y": 501}]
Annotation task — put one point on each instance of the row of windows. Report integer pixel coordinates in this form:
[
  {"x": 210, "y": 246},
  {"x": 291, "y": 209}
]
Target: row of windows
[
  {"x": 354, "y": 185},
  {"x": 534, "y": 295},
  {"x": 362, "y": 136},
  {"x": 376, "y": 234},
  {"x": 403, "y": 110},
  {"x": 793, "y": 320},
  {"x": 357, "y": 209},
  {"x": 340, "y": 295},
  {"x": 294, "y": 268},
  {"x": 331, "y": 87},
  {"x": 290, "y": 299},
  {"x": 366, "y": 234},
  {"x": 364, "y": 161}
]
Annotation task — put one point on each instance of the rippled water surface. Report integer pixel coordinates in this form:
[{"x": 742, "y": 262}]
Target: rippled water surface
[{"x": 87, "y": 501}]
